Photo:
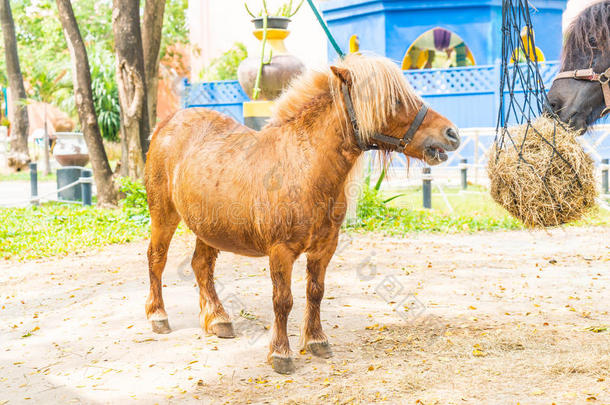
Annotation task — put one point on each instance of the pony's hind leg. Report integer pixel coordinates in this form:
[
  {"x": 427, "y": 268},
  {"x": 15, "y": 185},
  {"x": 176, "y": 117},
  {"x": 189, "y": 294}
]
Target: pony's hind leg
[
  {"x": 281, "y": 259},
  {"x": 313, "y": 337},
  {"x": 213, "y": 317},
  {"x": 162, "y": 228}
]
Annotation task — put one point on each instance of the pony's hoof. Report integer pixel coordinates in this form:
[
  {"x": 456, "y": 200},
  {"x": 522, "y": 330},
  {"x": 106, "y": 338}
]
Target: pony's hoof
[
  {"x": 161, "y": 326},
  {"x": 282, "y": 365},
  {"x": 223, "y": 330},
  {"x": 320, "y": 349}
]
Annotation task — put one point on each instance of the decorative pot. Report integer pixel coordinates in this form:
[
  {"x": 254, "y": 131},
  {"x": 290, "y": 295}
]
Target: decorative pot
[
  {"x": 70, "y": 149},
  {"x": 282, "y": 68},
  {"x": 272, "y": 22}
]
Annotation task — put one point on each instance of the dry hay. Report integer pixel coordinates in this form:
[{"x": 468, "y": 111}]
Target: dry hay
[{"x": 541, "y": 188}]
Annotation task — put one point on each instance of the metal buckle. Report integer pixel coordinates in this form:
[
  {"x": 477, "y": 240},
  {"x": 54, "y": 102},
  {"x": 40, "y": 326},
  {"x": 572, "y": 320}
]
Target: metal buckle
[{"x": 605, "y": 75}]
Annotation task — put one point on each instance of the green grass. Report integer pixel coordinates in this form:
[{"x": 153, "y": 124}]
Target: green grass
[
  {"x": 25, "y": 176},
  {"x": 472, "y": 211},
  {"x": 58, "y": 229}
]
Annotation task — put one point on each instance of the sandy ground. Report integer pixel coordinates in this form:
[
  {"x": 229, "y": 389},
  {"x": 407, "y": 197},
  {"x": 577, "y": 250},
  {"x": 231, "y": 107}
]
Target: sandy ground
[{"x": 496, "y": 318}]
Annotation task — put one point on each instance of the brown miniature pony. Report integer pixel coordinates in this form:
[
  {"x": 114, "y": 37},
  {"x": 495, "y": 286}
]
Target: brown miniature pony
[{"x": 279, "y": 192}]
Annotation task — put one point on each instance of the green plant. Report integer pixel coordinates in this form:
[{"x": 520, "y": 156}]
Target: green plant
[
  {"x": 135, "y": 203},
  {"x": 45, "y": 59},
  {"x": 374, "y": 213},
  {"x": 105, "y": 95},
  {"x": 259, "y": 74},
  {"x": 225, "y": 66},
  {"x": 4, "y": 122},
  {"x": 285, "y": 10}
]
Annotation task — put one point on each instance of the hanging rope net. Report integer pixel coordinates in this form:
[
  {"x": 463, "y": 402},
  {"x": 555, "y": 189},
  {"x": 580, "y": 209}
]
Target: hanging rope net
[{"x": 537, "y": 168}]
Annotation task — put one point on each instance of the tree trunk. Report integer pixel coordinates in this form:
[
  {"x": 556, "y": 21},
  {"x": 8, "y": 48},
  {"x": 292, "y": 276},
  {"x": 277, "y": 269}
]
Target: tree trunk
[
  {"x": 20, "y": 156},
  {"x": 107, "y": 192},
  {"x": 152, "y": 26},
  {"x": 131, "y": 81}
]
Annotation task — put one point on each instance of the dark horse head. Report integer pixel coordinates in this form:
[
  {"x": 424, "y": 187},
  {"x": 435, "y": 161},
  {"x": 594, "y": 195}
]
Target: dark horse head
[{"x": 587, "y": 45}]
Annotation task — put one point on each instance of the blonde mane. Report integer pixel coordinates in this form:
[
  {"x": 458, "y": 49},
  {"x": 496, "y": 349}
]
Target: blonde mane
[{"x": 378, "y": 85}]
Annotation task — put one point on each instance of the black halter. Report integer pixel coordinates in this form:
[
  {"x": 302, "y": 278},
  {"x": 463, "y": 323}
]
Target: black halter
[{"x": 395, "y": 144}]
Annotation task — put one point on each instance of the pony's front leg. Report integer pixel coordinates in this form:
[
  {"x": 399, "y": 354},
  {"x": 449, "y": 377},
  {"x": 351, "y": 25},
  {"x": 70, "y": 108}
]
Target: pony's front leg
[
  {"x": 281, "y": 259},
  {"x": 313, "y": 337}
]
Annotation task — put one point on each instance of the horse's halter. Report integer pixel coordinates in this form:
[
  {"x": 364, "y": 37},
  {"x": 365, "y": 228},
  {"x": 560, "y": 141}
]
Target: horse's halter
[
  {"x": 591, "y": 76},
  {"x": 395, "y": 144}
]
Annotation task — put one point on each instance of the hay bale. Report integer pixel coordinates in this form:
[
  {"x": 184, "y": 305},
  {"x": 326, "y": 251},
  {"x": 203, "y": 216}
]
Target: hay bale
[{"x": 545, "y": 191}]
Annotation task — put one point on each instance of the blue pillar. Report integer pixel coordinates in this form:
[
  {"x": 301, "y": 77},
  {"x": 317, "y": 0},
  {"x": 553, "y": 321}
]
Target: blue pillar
[
  {"x": 34, "y": 184},
  {"x": 86, "y": 180},
  {"x": 427, "y": 187}
]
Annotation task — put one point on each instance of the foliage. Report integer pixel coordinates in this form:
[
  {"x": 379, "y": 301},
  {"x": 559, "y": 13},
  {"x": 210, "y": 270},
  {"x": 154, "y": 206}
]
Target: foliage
[
  {"x": 24, "y": 175},
  {"x": 45, "y": 60},
  {"x": 473, "y": 211},
  {"x": 376, "y": 215},
  {"x": 4, "y": 122},
  {"x": 225, "y": 66},
  {"x": 58, "y": 229},
  {"x": 175, "y": 25},
  {"x": 105, "y": 95},
  {"x": 285, "y": 10},
  {"x": 135, "y": 204}
]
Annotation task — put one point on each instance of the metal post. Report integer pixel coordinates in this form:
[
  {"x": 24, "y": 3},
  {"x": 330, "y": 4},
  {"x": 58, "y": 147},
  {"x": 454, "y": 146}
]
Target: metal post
[
  {"x": 85, "y": 183},
  {"x": 605, "y": 167},
  {"x": 464, "y": 172},
  {"x": 34, "y": 184},
  {"x": 46, "y": 162},
  {"x": 477, "y": 159},
  {"x": 427, "y": 187}
]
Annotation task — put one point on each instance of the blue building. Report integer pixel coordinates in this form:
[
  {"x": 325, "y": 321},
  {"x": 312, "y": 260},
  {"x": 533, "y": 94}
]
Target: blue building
[
  {"x": 391, "y": 27},
  {"x": 450, "y": 51}
]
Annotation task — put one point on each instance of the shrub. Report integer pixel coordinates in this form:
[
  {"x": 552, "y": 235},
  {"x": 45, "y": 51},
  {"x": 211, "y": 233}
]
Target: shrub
[
  {"x": 135, "y": 203},
  {"x": 225, "y": 66}
]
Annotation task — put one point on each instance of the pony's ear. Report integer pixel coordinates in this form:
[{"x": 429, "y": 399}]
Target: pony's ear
[{"x": 343, "y": 74}]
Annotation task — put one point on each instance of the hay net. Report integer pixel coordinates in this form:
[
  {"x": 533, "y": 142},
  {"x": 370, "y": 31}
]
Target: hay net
[
  {"x": 532, "y": 148},
  {"x": 522, "y": 93}
]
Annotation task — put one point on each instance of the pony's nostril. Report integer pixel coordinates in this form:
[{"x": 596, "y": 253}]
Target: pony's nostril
[{"x": 452, "y": 135}]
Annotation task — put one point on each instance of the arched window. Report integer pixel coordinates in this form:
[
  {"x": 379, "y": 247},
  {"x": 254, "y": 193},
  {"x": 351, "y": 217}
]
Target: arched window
[{"x": 437, "y": 48}]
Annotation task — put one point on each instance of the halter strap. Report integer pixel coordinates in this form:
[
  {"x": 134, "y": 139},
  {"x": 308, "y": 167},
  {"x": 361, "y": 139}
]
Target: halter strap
[
  {"x": 591, "y": 76},
  {"x": 395, "y": 144}
]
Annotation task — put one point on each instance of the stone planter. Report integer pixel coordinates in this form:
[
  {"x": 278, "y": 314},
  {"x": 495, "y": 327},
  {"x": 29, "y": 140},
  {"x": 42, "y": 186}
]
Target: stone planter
[
  {"x": 282, "y": 68},
  {"x": 70, "y": 149}
]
